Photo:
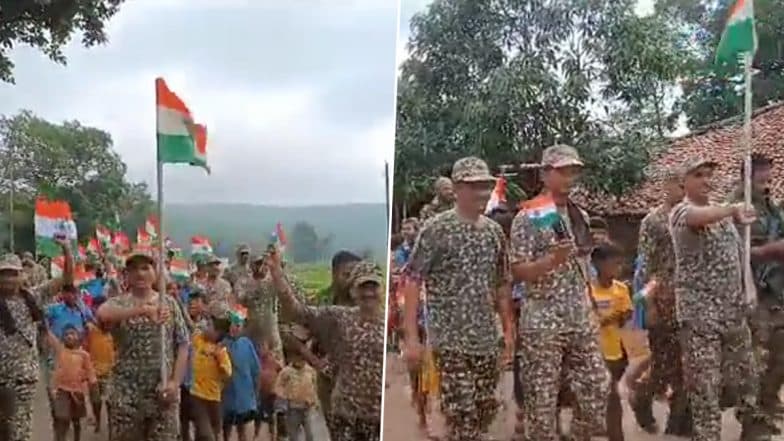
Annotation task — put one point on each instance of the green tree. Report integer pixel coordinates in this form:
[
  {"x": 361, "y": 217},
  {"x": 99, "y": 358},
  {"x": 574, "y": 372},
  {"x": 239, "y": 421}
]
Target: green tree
[
  {"x": 71, "y": 162},
  {"x": 49, "y": 25},
  {"x": 504, "y": 79}
]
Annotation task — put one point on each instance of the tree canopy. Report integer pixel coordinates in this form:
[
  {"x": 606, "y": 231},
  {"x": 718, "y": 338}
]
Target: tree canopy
[
  {"x": 48, "y": 25},
  {"x": 504, "y": 79}
]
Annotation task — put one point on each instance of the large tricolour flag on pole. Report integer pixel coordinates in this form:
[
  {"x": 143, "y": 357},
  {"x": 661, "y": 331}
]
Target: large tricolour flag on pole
[
  {"x": 52, "y": 218},
  {"x": 739, "y": 35},
  {"x": 180, "y": 140}
]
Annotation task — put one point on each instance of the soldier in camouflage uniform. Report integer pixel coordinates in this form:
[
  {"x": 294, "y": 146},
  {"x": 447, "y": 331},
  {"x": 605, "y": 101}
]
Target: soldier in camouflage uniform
[
  {"x": 460, "y": 257},
  {"x": 241, "y": 268},
  {"x": 655, "y": 249},
  {"x": 258, "y": 295},
  {"x": 444, "y": 199},
  {"x": 216, "y": 288},
  {"x": 767, "y": 241},
  {"x": 140, "y": 407},
  {"x": 21, "y": 322},
  {"x": 558, "y": 336},
  {"x": 36, "y": 274},
  {"x": 712, "y": 308},
  {"x": 357, "y": 351}
]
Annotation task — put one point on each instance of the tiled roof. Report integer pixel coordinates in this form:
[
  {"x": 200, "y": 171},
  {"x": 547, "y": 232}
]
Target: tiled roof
[{"x": 720, "y": 142}]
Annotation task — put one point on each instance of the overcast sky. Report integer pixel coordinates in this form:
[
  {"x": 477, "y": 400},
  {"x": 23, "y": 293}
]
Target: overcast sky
[{"x": 297, "y": 96}]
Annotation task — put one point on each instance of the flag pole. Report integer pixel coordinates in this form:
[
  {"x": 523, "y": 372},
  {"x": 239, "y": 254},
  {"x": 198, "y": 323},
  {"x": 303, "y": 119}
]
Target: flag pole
[
  {"x": 161, "y": 273},
  {"x": 748, "y": 280},
  {"x": 386, "y": 183}
]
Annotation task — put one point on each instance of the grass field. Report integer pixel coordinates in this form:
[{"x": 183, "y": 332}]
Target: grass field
[{"x": 314, "y": 277}]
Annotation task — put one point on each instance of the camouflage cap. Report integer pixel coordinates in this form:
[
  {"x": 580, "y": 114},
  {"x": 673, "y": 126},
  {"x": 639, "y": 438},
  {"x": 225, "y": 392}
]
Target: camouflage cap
[
  {"x": 258, "y": 258},
  {"x": 363, "y": 272},
  {"x": 27, "y": 255},
  {"x": 212, "y": 259},
  {"x": 10, "y": 261},
  {"x": 442, "y": 182},
  {"x": 243, "y": 249},
  {"x": 696, "y": 162},
  {"x": 219, "y": 309},
  {"x": 471, "y": 169},
  {"x": 561, "y": 155},
  {"x": 140, "y": 254}
]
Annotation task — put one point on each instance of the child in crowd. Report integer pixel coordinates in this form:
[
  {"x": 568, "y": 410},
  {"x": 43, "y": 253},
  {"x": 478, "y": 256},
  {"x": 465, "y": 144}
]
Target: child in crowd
[
  {"x": 614, "y": 309},
  {"x": 211, "y": 369},
  {"x": 240, "y": 396},
  {"x": 73, "y": 377},
  {"x": 100, "y": 346},
  {"x": 267, "y": 414},
  {"x": 296, "y": 387}
]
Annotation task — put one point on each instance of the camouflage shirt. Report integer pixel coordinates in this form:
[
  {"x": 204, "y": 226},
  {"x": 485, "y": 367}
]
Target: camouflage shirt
[
  {"x": 557, "y": 301},
  {"x": 35, "y": 274},
  {"x": 138, "y": 344},
  {"x": 708, "y": 276},
  {"x": 655, "y": 249},
  {"x": 19, "y": 359},
  {"x": 462, "y": 265},
  {"x": 237, "y": 272},
  {"x": 769, "y": 227},
  {"x": 261, "y": 299},
  {"x": 356, "y": 356},
  {"x": 434, "y": 207},
  {"x": 218, "y": 290}
]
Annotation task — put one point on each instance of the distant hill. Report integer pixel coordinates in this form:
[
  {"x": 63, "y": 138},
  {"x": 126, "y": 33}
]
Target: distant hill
[{"x": 355, "y": 227}]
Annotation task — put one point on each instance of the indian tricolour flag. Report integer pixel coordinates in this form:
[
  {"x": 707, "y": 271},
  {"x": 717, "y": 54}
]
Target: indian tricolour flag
[
  {"x": 180, "y": 140},
  {"x": 739, "y": 35},
  {"x": 143, "y": 237},
  {"x": 104, "y": 235},
  {"x": 52, "y": 218},
  {"x": 542, "y": 211},
  {"x": 200, "y": 245},
  {"x": 179, "y": 269},
  {"x": 151, "y": 227},
  {"x": 498, "y": 197}
]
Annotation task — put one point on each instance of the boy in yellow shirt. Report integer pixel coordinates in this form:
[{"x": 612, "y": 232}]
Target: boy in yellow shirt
[
  {"x": 211, "y": 369},
  {"x": 614, "y": 305},
  {"x": 100, "y": 346}
]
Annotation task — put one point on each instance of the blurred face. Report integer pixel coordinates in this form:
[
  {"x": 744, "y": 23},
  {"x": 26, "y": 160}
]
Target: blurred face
[
  {"x": 71, "y": 338},
  {"x": 599, "y": 235},
  {"x": 560, "y": 181},
  {"x": 69, "y": 297},
  {"x": 610, "y": 268},
  {"x": 140, "y": 274},
  {"x": 368, "y": 296},
  {"x": 341, "y": 274},
  {"x": 446, "y": 192},
  {"x": 243, "y": 258},
  {"x": 408, "y": 231},
  {"x": 235, "y": 330},
  {"x": 760, "y": 177},
  {"x": 472, "y": 197},
  {"x": 213, "y": 269},
  {"x": 172, "y": 289},
  {"x": 697, "y": 184},
  {"x": 10, "y": 280},
  {"x": 196, "y": 307}
]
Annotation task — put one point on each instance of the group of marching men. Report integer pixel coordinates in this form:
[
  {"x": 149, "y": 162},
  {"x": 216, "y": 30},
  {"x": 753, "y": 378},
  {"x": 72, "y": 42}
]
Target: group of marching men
[
  {"x": 555, "y": 279},
  {"x": 224, "y": 352}
]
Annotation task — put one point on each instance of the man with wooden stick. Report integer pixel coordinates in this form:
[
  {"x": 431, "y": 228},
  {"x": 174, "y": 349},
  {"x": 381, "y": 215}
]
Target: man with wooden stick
[
  {"x": 767, "y": 247},
  {"x": 461, "y": 258},
  {"x": 557, "y": 334},
  {"x": 712, "y": 307}
]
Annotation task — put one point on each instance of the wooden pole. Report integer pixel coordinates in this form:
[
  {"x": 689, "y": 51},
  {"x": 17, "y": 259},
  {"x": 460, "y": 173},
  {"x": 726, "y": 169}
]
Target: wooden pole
[
  {"x": 161, "y": 251},
  {"x": 748, "y": 279}
]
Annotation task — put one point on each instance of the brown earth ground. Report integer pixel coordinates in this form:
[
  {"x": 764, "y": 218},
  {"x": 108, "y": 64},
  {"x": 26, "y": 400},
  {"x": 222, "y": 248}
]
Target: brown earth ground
[{"x": 400, "y": 421}]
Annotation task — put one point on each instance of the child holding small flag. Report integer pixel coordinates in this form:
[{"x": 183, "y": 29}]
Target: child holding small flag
[{"x": 100, "y": 346}]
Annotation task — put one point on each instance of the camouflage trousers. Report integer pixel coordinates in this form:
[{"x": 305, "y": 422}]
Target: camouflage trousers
[
  {"x": 666, "y": 371},
  {"x": 767, "y": 327},
  {"x": 343, "y": 428},
  {"x": 16, "y": 411},
  {"x": 718, "y": 366},
  {"x": 138, "y": 414},
  {"x": 547, "y": 357},
  {"x": 468, "y": 393}
]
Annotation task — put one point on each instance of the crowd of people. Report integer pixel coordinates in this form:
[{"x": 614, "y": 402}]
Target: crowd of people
[
  {"x": 230, "y": 353},
  {"x": 551, "y": 279}
]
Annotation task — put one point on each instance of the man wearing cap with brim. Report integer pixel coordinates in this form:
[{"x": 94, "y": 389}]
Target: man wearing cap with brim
[
  {"x": 557, "y": 332},
  {"x": 443, "y": 200},
  {"x": 460, "y": 257},
  {"x": 712, "y": 307},
  {"x": 357, "y": 354},
  {"x": 257, "y": 294},
  {"x": 216, "y": 287},
  {"x": 140, "y": 407},
  {"x": 21, "y": 322},
  {"x": 657, "y": 263},
  {"x": 241, "y": 268},
  {"x": 36, "y": 274}
]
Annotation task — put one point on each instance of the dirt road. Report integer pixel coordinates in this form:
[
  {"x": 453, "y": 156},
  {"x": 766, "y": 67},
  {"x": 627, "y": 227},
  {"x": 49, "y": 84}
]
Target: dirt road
[
  {"x": 43, "y": 431},
  {"x": 400, "y": 422}
]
